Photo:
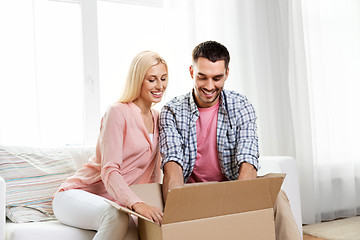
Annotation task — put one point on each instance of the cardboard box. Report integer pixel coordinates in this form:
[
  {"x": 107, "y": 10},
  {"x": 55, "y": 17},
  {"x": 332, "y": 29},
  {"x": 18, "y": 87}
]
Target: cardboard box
[{"x": 241, "y": 209}]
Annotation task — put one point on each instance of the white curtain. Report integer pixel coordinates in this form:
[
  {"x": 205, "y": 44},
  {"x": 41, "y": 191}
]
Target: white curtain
[
  {"x": 332, "y": 47},
  {"x": 297, "y": 61},
  {"x": 324, "y": 74}
]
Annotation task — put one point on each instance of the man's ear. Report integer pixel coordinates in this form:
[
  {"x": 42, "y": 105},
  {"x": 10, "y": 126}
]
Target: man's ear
[
  {"x": 191, "y": 70},
  {"x": 227, "y": 73}
]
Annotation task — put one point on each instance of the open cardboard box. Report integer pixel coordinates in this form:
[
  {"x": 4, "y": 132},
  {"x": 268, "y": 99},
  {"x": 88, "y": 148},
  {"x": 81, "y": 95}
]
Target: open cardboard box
[{"x": 241, "y": 209}]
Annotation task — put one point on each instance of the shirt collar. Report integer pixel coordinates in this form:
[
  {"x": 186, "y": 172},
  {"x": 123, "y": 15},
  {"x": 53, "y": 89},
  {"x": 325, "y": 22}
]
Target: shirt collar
[
  {"x": 223, "y": 108},
  {"x": 229, "y": 112},
  {"x": 223, "y": 102},
  {"x": 194, "y": 107}
]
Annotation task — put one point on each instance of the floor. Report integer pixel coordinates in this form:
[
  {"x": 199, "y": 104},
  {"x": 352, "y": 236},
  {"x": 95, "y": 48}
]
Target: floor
[{"x": 308, "y": 237}]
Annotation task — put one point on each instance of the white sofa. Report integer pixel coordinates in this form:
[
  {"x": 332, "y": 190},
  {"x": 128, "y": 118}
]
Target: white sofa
[{"x": 54, "y": 230}]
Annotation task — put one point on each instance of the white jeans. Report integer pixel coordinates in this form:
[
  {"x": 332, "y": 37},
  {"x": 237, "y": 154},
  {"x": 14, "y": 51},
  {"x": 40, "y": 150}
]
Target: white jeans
[{"x": 81, "y": 209}]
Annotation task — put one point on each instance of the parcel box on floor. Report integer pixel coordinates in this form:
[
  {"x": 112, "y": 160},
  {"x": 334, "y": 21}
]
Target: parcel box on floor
[{"x": 241, "y": 209}]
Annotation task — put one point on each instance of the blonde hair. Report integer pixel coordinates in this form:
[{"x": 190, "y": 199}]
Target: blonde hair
[{"x": 142, "y": 62}]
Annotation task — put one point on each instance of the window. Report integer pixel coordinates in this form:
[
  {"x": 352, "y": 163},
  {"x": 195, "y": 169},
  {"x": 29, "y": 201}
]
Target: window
[
  {"x": 124, "y": 30},
  {"x": 50, "y": 46},
  {"x": 41, "y": 94}
]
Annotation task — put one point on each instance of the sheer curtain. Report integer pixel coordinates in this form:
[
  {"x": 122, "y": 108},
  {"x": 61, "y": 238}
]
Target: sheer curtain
[
  {"x": 332, "y": 50},
  {"x": 297, "y": 63},
  {"x": 324, "y": 59}
]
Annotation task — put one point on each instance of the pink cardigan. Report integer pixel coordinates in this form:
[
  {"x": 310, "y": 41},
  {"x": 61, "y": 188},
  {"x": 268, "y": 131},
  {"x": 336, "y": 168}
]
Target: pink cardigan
[{"x": 124, "y": 156}]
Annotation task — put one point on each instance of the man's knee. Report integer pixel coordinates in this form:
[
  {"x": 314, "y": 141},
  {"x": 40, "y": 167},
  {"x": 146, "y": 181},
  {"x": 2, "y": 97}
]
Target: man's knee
[{"x": 281, "y": 200}]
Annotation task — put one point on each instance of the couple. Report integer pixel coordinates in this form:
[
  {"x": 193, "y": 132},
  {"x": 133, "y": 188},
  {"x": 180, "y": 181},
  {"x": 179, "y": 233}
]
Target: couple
[{"x": 208, "y": 134}]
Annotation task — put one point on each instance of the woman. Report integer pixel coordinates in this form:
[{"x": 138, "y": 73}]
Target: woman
[{"x": 127, "y": 152}]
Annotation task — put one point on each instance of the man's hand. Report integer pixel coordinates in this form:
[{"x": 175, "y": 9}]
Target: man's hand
[
  {"x": 247, "y": 171},
  {"x": 149, "y": 212},
  {"x": 173, "y": 177}
]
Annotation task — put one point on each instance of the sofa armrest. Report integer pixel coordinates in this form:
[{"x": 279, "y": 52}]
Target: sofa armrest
[
  {"x": 2, "y": 208},
  {"x": 284, "y": 164}
]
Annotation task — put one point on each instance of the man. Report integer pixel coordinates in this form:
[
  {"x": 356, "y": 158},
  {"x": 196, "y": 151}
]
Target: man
[{"x": 210, "y": 134}]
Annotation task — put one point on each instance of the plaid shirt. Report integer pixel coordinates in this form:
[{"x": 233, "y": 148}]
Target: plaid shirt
[{"x": 237, "y": 139}]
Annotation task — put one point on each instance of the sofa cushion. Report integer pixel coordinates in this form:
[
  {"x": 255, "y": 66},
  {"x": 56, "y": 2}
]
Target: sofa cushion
[
  {"x": 80, "y": 155},
  {"x": 44, "y": 231},
  {"x": 32, "y": 176}
]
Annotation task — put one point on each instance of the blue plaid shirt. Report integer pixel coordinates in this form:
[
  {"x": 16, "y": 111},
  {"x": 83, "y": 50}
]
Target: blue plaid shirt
[{"x": 237, "y": 139}]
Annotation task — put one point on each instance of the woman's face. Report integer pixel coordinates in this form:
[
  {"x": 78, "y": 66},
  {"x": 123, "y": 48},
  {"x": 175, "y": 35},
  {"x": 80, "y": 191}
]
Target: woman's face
[{"x": 154, "y": 84}]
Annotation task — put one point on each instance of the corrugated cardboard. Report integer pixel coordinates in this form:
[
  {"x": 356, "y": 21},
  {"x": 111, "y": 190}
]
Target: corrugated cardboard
[{"x": 241, "y": 209}]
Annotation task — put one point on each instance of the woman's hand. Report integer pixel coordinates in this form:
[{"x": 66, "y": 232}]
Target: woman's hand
[{"x": 149, "y": 212}]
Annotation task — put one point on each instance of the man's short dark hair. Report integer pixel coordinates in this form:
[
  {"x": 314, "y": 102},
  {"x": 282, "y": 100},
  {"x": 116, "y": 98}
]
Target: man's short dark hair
[{"x": 212, "y": 51}]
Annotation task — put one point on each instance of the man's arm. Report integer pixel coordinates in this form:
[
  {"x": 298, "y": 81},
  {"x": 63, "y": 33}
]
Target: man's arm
[
  {"x": 171, "y": 149},
  {"x": 247, "y": 171},
  {"x": 247, "y": 152},
  {"x": 173, "y": 177}
]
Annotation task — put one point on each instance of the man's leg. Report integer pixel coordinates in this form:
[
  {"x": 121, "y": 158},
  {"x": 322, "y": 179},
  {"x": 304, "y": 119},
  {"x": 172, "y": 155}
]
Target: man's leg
[{"x": 285, "y": 224}]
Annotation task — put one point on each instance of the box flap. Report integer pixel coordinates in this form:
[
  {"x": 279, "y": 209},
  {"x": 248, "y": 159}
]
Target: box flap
[
  {"x": 150, "y": 193},
  {"x": 275, "y": 184},
  {"x": 202, "y": 200},
  {"x": 126, "y": 210}
]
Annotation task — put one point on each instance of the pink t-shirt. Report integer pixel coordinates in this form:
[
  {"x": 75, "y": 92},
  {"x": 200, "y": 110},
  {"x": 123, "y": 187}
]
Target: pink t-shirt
[
  {"x": 125, "y": 155},
  {"x": 207, "y": 165}
]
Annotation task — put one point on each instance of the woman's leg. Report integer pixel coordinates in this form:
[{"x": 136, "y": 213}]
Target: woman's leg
[{"x": 85, "y": 210}]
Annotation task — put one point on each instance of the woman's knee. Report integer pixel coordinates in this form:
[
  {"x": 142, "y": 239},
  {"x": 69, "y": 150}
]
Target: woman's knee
[{"x": 112, "y": 215}]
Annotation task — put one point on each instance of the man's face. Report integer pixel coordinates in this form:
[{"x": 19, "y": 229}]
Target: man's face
[{"x": 209, "y": 79}]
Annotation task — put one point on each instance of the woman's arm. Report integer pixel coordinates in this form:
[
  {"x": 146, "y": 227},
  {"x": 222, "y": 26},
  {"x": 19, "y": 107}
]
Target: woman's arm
[{"x": 111, "y": 144}]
